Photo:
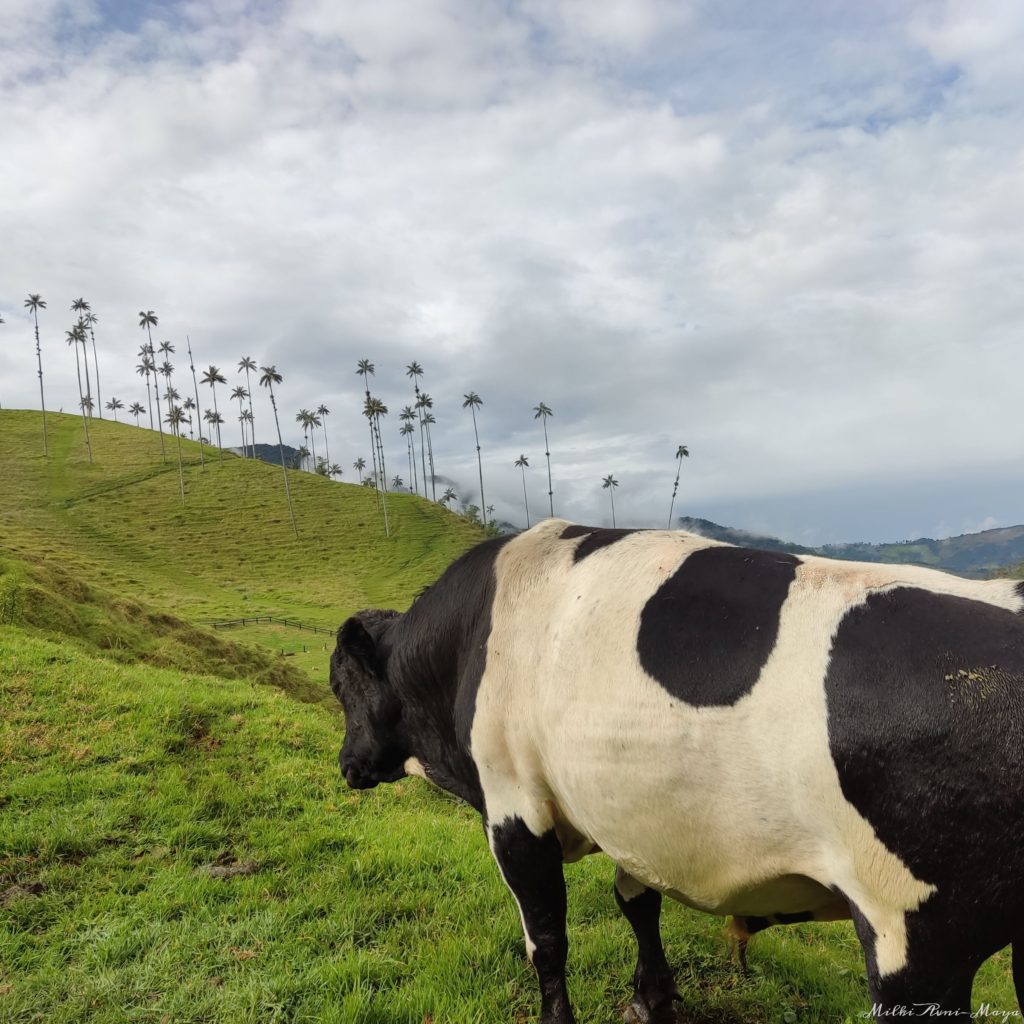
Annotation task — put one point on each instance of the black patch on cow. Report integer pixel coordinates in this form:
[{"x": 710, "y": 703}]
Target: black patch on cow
[
  {"x": 1020, "y": 590},
  {"x": 925, "y": 697},
  {"x": 707, "y": 632},
  {"x": 593, "y": 539},
  {"x": 434, "y": 657}
]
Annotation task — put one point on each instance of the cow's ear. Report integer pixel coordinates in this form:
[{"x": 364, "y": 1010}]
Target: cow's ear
[{"x": 357, "y": 642}]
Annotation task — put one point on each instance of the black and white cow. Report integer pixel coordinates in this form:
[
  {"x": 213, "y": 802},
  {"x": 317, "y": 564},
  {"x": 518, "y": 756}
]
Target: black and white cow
[{"x": 751, "y": 733}]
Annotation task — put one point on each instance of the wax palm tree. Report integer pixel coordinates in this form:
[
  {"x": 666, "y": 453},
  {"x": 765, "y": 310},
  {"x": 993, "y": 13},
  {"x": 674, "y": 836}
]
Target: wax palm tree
[
  {"x": 166, "y": 370},
  {"x": 144, "y": 369},
  {"x": 397, "y": 483},
  {"x": 175, "y": 418},
  {"x": 269, "y": 377},
  {"x": 247, "y": 364},
  {"x": 425, "y": 403},
  {"x": 73, "y": 338},
  {"x": 335, "y": 470},
  {"x": 366, "y": 369},
  {"x": 215, "y": 420},
  {"x": 91, "y": 320},
  {"x": 359, "y": 465},
  {"x": 171, "y": 397},
  {"x": 213, "y": 377},
  {"x": 414, "y": 371},
  {"x": 428, "y": 422},
  {"x": 322, "y": 413},
  {"x": 81, "y": 306},
  {"x": 682, "y": 452},
  {"x": 166, "y": 349},
  {"x": 300, "y": 457},
  {"x": 314, "y": 422},
  {"x": 375, "y": 409},
  {"x": 239, "y": 394},
  {"x": 448, "y": 497},
  {"x": 149, "y": 320},
  {"x": 188, "y": 406},
  {"x": 36, "y": 303},
  {"x": 523, "y": 463},
  {"x": 473, "y": 402},
  {"x": 136, "y": 409},
  {"x": 302, "y": 418},
  {"x": 542, "y": 412},
  {"x": 407, "y": 415},
  {"x": 195, "y": 389},
  {"x": 407, "y": 432},
  {"x": 113, "y": 405},
  {"x": 247, "y": 418},
  {"x": 609, "y": 483}
]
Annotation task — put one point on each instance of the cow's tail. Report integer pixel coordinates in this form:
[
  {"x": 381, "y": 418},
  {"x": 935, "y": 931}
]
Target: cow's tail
[{"x": 739, "y": 931}]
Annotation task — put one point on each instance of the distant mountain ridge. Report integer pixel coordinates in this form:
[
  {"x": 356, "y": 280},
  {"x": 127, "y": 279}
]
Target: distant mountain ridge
[{"x": 990, "y": 552}]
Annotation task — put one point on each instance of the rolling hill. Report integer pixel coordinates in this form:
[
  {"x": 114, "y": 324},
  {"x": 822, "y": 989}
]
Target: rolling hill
[{"x": 988, "y": 553}]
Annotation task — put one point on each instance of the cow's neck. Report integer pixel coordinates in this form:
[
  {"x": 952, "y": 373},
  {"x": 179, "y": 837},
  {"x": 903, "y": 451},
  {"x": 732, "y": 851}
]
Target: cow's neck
[{"x": 435, "y": 659}]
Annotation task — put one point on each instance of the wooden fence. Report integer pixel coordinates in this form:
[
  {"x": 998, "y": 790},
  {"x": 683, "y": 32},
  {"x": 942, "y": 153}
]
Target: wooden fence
[{"x": 273, "y": 620}]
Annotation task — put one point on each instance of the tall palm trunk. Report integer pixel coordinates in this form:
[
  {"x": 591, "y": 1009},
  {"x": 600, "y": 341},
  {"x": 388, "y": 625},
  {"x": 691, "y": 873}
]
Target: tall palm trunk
[
  {"x": 611, "y": 494},
  {"x": 373, "y": 447},
  {"x": 181, "y": 472},
  {"x": 149, "y": 400},
  {"x": 380, "y": 448},
  {"x": 430, "y": 461},
  {"x": 284, "y": 469},
  {"x": 42, "y": 400},
  {"x": 384, "y": 475},
  {"x": 252, "y": 419},
  {"x": 526, "y": 500},
  {"x": 216, "y": 413},
  {"x": 241, "y": 421},
  {"x": 547, "y": 455},
  {"x": 312, "y": 442},
  {"x": 156, "y": 391},
  {"x": 81, "y": 403},
  {"x": 423, "y": 447},
  {"x": 480, "y": 468},
  {"x": 414, "y": 473},
  {"x": 88, "y": 383},
  {"x": 96, "y": 364},
  {"x": 195, "y": 386}
]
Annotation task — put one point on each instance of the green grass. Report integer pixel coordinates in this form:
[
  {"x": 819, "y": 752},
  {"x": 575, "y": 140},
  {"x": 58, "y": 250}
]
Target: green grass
[
  {"x": 230, "y": 551},
  {"x": 176, "y": 844}
]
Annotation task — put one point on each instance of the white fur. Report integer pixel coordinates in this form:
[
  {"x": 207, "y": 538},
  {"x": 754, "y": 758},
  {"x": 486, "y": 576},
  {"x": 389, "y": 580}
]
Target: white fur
[{"x": 733, "y": 810}]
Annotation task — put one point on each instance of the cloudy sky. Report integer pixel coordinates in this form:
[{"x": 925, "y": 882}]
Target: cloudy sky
[{"x": 787, "y": 235}]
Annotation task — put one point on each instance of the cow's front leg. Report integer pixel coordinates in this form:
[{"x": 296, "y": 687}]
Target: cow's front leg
[
  {"x": 654, "y": 985},
  {"x": 532, "y": 868}
]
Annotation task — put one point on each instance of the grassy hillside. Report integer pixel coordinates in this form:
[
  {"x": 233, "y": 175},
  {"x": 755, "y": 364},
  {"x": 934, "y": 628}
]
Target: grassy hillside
[
  {"x": 176, "y": 844},
  {"x": 230, "y": 552}
]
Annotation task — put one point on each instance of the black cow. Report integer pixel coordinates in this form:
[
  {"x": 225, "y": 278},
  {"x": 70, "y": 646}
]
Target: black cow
[{"x": 751, "y": 733}]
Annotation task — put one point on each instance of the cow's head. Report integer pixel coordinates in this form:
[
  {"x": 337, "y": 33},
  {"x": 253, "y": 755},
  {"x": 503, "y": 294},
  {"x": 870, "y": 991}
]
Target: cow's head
[{"x": 374, "y": 750}]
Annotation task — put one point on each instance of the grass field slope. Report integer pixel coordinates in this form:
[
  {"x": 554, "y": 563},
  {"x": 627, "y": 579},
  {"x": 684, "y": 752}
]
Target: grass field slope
[{"x": 176, "y": 844}]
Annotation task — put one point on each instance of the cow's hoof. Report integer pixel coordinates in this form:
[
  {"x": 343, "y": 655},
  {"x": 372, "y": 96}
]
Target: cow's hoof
[{"x": 640, "y": 1013}]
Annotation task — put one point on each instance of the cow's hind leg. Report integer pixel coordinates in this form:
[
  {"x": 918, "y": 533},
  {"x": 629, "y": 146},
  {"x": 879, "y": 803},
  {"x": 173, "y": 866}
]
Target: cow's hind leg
[
  {"x": 653, "y": 983},
  {"x": 935, "y": 978},
  {"x": 532, "y": 868}
]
